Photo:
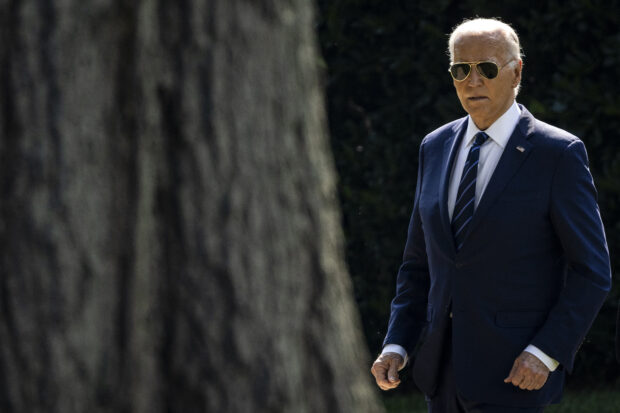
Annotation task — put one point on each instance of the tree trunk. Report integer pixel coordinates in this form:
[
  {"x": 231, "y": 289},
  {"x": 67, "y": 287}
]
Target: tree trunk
[{"x": 170, "y": 239}]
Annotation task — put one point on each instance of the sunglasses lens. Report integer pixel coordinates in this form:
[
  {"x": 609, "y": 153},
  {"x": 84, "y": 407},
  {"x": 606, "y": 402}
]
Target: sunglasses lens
[
  {"x": 488, "y": 69},
  {"x": 460, "y": 71}
]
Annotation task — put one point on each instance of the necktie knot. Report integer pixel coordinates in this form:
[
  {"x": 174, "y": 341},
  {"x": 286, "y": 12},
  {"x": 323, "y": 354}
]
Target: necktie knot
[{"x": 480, "y": 138}]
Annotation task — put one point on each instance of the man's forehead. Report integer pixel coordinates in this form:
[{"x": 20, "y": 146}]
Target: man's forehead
[{"x": 480, "y": 46}]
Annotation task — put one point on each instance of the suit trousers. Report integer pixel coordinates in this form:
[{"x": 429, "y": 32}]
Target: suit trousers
[{"x": 447, "y": 398}]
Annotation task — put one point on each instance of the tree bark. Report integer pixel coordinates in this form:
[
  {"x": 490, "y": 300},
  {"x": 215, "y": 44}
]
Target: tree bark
[{"x": 170, "y": 239}]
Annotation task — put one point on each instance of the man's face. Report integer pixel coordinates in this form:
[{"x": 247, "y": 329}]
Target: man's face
[{"x": 485, "y": 99}]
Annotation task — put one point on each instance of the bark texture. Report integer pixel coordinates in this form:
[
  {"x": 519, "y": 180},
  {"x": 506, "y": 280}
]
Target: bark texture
[{"x": 170, "y": 239}]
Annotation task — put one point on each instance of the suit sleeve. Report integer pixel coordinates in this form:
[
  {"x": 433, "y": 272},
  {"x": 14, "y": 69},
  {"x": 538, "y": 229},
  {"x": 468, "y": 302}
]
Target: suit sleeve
[
  {"x": 408, "y": 308},
  {"x": 577, "y": 222}
]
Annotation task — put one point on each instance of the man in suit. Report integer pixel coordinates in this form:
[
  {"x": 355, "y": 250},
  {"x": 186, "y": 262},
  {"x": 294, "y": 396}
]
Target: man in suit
[{"x": 506, "y": 263}]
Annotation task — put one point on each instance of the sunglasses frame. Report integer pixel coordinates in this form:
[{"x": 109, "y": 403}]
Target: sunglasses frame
[{"x": 477, "y": 69}]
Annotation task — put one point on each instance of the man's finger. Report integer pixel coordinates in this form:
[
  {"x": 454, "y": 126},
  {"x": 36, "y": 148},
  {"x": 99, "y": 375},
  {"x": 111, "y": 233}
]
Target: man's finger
[
  {"x": 512, "y": 373},
  {"x": 529, "y": 384},
  {"x": 518, "y": 379},
  {"x": 393, "y": 371},
  {"x": 388, "y": 386},
  {"x": 536, "y": 383},
  {"x": 525, "y": 383},
  {"x": 521, "y": 378},
  {"x": 517, "y": 375},
  {"x": 540, "y": 381},
  {"x": 379, "y": 371}
]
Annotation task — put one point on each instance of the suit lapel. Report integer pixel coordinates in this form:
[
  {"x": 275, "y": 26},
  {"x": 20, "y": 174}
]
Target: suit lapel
[
  {"x": 451, "y": 147},
  {"x": 515, "y": 153}
]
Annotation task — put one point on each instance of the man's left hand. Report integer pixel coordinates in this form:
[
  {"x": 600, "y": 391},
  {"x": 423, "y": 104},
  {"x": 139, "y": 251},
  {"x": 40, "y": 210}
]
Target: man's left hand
[{"x": 528, "y": 372}]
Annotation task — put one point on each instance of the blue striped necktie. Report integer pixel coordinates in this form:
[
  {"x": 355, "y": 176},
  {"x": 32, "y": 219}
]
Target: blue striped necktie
[{"x": 466, "y": 195}]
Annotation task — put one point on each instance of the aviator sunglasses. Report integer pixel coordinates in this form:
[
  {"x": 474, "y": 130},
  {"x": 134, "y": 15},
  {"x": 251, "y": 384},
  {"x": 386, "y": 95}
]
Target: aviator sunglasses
[{"x": 487, "y": 69}]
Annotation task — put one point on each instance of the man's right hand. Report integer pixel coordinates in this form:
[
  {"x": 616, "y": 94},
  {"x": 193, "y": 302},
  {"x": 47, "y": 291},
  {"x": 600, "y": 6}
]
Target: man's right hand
[{"x": 385, "y": 370}]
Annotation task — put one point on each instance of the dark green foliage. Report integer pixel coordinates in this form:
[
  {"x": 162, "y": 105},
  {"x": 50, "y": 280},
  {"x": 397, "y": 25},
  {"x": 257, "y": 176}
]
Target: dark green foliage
[{"x": 388, "y": 86}]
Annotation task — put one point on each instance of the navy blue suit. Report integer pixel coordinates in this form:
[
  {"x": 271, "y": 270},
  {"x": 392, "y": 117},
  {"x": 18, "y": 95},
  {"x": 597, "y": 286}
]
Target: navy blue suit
[{"x": 534, "y": 268}]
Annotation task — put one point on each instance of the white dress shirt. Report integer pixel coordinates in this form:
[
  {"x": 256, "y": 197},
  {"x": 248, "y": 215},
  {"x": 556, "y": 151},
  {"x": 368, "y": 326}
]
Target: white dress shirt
[{"x": 490, "y": 152}]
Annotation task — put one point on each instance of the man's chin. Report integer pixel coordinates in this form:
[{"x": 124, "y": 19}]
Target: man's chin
[{"x": 480, "y": 118}]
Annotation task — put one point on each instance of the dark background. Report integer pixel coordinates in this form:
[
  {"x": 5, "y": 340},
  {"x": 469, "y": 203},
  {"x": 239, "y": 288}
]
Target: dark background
[{"x": 388, "y": 86}]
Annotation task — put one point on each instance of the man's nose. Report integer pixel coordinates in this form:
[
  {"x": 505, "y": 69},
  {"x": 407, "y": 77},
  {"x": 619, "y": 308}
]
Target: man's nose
[{"x": 474, "y": 78}]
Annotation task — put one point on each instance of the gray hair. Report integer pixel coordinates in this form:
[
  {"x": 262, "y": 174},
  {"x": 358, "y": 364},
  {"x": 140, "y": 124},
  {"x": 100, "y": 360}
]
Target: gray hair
[{"x": 494, "y": 26}]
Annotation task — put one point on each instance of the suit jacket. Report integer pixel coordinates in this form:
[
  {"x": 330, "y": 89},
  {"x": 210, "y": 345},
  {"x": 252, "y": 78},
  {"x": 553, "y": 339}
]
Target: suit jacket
[
  {"x": 534, "y": 268},
  {"x": 618, "y": 335}
]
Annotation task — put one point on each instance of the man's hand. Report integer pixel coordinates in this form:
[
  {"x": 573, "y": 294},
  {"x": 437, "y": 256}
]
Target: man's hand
[
  {"x": 385, "y": 370},
  {"x": 528, "y": 372}
]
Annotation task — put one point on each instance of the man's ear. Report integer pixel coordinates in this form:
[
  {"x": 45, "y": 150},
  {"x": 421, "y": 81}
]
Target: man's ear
[{"x": 517, "y": 71}]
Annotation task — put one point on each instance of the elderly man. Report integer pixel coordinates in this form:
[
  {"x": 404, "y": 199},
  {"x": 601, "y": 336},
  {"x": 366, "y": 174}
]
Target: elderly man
[{"x": 506, "y": 263}]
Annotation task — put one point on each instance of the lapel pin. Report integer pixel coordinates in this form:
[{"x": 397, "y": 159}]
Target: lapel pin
[{"x": 520, "y": 148}]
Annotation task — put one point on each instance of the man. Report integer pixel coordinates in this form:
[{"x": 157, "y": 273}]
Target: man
[{"x": 506, "y": 263}]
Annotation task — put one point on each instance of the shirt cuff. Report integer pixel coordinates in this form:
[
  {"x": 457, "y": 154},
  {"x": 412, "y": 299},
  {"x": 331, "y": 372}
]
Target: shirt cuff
[
  {"x": 395, "y": 348},
  {"x": 551, "y": 364}
]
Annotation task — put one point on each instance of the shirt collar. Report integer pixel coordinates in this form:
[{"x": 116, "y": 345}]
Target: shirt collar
[{"x": 501, "y": 130}]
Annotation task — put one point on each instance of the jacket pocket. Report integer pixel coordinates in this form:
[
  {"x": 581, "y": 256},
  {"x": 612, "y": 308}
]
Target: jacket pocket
[{"x": 520, "y": 319}]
